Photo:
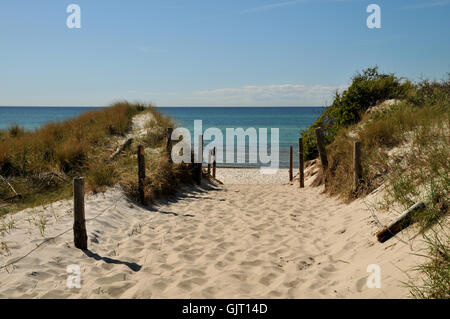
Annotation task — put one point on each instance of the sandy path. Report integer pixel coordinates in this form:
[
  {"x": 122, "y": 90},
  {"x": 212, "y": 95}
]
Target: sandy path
[
  {"x": 253, "y": 237},
  {"x": 229, "y": 241}
]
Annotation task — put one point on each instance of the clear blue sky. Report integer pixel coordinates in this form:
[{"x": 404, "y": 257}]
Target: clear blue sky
[{"x": 210, "y": 52}]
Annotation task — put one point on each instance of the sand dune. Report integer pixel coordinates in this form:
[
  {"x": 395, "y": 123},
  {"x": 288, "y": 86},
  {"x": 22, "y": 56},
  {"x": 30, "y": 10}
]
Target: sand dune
[{"x": 218, "y": 241}]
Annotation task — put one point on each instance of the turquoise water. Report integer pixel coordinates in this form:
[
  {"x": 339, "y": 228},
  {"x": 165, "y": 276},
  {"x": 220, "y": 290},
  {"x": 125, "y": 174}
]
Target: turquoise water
[{"x": 290, "y": 121}]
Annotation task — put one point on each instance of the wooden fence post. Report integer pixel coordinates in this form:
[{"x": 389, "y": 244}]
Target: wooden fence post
[
  {"x": 200, "y": 159},
  {"x": 357, "y": 167},
  {"x": 291, "y": 153},
  {"x": 300, "y": 163},
  {"x": 79, "y": 225},
  {"x": 193, "y": 166},
  {"x": 321, "y": 149},
  {"x": 209, "y": 162},
  {"x": 141, "y": 173},
  {"x": 214, "y": 163},
  {"x": 169, "y": 144}
]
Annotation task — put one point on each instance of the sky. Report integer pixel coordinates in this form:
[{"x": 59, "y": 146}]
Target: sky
[{"x": 210, "y": 52}]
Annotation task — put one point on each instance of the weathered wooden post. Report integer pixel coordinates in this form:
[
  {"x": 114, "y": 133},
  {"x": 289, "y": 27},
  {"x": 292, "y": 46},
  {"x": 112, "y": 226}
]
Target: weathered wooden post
[
  {"x": 141, "y": 173},
  {"x": 291, "y": 175},
  {"x": 321, "y": 149},
  {"x": 209, "y": 162},
  {"x": 357, "y": 167},
  {"x": 79, "y": 225},
  {"x": 300, "y": 163},
  {"x": 169, "y": 144},
  {"x": 200, "y": 159},
  {"x": 214, "y": 163},
  {"x": 193, "y": 166}
]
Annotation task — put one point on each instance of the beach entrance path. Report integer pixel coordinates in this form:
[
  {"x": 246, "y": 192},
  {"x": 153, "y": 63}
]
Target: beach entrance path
[{"x": 218, "y": 241}]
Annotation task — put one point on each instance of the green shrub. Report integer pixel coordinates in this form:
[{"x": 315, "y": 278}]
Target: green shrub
[{"x": 367, "y": 89}]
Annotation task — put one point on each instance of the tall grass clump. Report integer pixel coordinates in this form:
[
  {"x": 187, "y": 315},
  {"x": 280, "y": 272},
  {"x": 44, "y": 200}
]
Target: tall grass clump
[
  {"x": 436, "y": 270},
  {"x": 31, "y": 159}
]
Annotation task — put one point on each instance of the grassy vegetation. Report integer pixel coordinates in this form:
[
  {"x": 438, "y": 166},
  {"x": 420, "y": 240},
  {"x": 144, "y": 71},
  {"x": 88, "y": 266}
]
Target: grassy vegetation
[
  {"x": 367, "y": 89},
  {"x": 163, "y": 178},
  {"x": 40, "y": 164},
  {"x": 405, "y": 147},
  {"x": 436, "y": 271}
]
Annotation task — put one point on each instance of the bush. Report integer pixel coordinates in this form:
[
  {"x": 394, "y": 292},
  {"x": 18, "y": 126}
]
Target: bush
[{"x": 367, "y": 89}]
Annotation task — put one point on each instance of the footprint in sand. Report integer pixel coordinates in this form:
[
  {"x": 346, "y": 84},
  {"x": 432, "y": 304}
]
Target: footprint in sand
[{"x": 361, "y": 283}]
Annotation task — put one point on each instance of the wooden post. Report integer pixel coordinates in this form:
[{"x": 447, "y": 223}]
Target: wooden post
[
  {"x": 403, "y": 221},
  {"x": 357, "y": 168},
  {"x": 141, "y": 173},
  {"x": 321, "y": 149},
  {"x": 193, "y": 166},
  {"x": 300, "y": 163},
  {"x": 291, "y": 153},
  {"x": 214, "y": 163},
  {"x": 79, "y": 224},
  {"x": 209, "y": 162},
  {"x": 200, "y": 159},
  {"x": 169, "y": 144}
]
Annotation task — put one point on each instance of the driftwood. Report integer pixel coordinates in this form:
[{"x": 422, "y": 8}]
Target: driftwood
[
  {"x": 121, "y": 147},
  {"x": 16, "y": 195},
  {"x": 403, "y": 221}
]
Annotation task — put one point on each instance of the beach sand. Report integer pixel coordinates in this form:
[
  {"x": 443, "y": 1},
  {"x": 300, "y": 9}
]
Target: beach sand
[{"x": 236, "y": 240}]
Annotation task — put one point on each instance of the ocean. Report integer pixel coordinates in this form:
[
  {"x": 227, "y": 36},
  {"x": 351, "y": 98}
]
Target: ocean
[{"x": 290, "y": 121}]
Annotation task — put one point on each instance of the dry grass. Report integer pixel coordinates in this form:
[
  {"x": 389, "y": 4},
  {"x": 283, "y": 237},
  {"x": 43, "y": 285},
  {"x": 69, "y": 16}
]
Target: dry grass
[
  {"x": 30, "y": 160},
  {"x": 405, "y": 148}
]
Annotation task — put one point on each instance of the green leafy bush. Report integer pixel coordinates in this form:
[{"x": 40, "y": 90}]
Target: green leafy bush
[{"x": 367, "y": 89}]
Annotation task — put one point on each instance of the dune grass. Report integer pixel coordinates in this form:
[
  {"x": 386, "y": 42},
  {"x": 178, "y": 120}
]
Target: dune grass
[
  {"x": 40, "y": 164},
  {"x": 406, "y": 149}
]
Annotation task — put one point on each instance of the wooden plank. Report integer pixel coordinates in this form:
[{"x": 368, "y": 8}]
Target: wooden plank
[
  {"x": 301, "y": 165},
  {"x": 403, "y": 221},
  {"x": 79, "y": 224},
  {"x": 321, "y": 148}
]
